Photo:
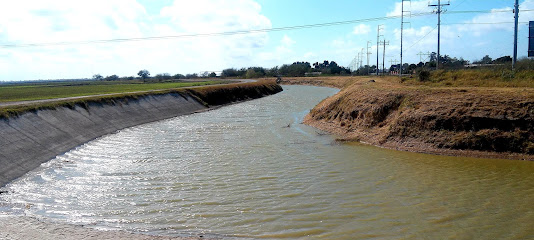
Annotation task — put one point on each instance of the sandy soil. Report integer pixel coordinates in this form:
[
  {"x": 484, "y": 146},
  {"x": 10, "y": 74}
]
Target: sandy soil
[{"x": 22, "y": 228}]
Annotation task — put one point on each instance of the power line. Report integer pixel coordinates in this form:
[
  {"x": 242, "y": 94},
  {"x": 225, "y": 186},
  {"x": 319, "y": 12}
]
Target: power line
[
  {"x": 482, "y": 23},
  {"x": 117, "y": 40},
  {"x": 318, "y": 25},
  {"x": 418, "y": 41}
]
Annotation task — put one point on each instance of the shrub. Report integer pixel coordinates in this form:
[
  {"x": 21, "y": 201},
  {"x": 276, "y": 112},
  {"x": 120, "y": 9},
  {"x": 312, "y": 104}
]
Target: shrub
[{"x": 423, "y": 75}]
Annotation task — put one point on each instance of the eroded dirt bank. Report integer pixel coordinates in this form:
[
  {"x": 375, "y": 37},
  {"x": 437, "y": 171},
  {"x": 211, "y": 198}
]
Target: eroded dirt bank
[{"x": 480, "y": 122}]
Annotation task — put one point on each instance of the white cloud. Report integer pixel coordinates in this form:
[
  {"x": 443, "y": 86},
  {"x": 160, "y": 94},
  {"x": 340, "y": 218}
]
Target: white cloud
[
  {"x": 283, "y": 53},
  {"x": 287, "y": 41},
  {"x": 501, "y": 18},
  {"x": 36, "y": 21},
  {"x": 361, "y": 29}
]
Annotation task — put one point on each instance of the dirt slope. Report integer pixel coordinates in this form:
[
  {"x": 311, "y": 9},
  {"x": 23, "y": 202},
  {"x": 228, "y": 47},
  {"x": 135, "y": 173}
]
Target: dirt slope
[{"x": 482, "y": 122}]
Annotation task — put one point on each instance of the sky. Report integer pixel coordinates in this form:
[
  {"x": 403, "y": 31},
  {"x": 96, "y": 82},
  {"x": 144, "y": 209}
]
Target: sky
[{"x": 470, "y": 29}]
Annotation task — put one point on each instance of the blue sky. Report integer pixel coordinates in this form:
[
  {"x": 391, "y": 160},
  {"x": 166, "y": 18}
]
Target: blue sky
[{"x": 470, "y": 35}]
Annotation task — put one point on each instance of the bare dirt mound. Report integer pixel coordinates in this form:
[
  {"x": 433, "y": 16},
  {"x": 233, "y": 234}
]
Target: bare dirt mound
[{"x": 485, "y": 122}]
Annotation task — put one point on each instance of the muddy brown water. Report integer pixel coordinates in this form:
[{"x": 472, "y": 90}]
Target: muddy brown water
[{"x": 251, "y": 170}]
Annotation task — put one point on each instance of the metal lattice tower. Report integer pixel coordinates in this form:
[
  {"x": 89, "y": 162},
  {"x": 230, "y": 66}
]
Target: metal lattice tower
[{"x": 421, "y": 54}]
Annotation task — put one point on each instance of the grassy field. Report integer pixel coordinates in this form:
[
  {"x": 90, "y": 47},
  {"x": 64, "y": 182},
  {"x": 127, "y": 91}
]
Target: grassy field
[
  {"x": 207, "y": 95},
  {"x": 50, "y": 90},
  {"x": 496, "y": 77}
]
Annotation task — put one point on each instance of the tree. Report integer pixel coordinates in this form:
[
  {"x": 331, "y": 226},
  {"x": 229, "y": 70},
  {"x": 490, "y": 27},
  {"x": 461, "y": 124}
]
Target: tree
[
  {"x": 204, "y": 74},
  {"x": 178, "y": 76},
  {"x": 501, "y": 60},
  {"x": 273, "y": 72},
  {"x": 112, "y": 78},
  {"x": 229, "y": 72},
  {"x": 191, "y": 76},
  {"x": 486, "y": 59},
  {"x": 212, "y": 75},
  {"x": 163, "y": 76},
  {"x": 144, "y": 74},
  {"x": 98, "y": 77}
]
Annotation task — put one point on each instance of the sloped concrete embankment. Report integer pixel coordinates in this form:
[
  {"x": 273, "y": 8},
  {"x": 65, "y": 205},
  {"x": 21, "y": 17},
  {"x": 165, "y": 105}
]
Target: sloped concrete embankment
[{"x": 35, "y": 137}]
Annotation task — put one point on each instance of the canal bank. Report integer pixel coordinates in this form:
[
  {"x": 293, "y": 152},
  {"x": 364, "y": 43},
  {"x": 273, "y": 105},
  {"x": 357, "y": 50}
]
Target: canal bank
[
  {"x": 487, "y": 122},
  {"x": 37, "y": 134}
]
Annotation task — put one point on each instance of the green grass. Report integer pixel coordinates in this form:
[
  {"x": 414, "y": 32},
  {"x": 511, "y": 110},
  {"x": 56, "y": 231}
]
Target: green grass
[
  {"x": 491, "y": 76},
  {"x": 476, "y": 78},
  {"x": 207, "y": 95},
  {"x": 50, "y": 90}
]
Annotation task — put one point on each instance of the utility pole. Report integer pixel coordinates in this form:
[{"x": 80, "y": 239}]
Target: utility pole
[
  {"x": 402, "y": 31},
  {"x": 384, "y": 43},
  {"x": 361, "y": 59},
  {"x": 516, "y": 12},
  {"x": 368, "y": 53},
  {"x": 377, "y": 47},
  {"x": 439, "y": 11}
]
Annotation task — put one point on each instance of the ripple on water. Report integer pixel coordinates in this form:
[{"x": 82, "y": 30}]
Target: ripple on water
[{"x": 241, "y": 171}]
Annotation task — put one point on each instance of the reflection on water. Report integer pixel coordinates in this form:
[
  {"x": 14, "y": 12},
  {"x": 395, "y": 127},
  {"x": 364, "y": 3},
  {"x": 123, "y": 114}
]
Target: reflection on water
[{"x": 252, "y": 170}]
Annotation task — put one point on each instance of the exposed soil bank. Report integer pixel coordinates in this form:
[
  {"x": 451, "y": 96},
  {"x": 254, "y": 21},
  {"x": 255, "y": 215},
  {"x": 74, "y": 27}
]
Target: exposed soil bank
[
  {"x": 480, "y": 122},
  {"x": 37, "y": 134}
]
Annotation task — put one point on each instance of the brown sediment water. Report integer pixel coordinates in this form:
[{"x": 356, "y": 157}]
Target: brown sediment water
[{"x": 253, "y": 170}]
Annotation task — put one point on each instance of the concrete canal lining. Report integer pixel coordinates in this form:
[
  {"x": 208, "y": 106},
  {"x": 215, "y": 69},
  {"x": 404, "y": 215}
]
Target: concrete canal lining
[{"x": 38, "y": 136}]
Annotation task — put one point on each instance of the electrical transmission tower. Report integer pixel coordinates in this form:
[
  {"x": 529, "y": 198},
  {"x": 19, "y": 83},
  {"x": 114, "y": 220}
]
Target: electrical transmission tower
[
  {"x": 378, "y": 47},
  {"x": 393, "y": 62},
  {"x": 402, "y": 30},
  {"x": 354, "y": 63},
  {"x": 421, "y": 54},
  {"x": 384, "y": 43},
  {"x": 439, "y": 11}
]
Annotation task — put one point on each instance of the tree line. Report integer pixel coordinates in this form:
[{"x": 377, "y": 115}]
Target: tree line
[
  {"x": 446, "y": 62},
  {"x": 296, "y": 69},
  {"x": 301, "y": 69},
  {"x": 145, "y": 76}
]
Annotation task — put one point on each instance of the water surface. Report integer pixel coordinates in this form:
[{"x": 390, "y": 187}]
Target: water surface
[{"x": 252, "y": 170}]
